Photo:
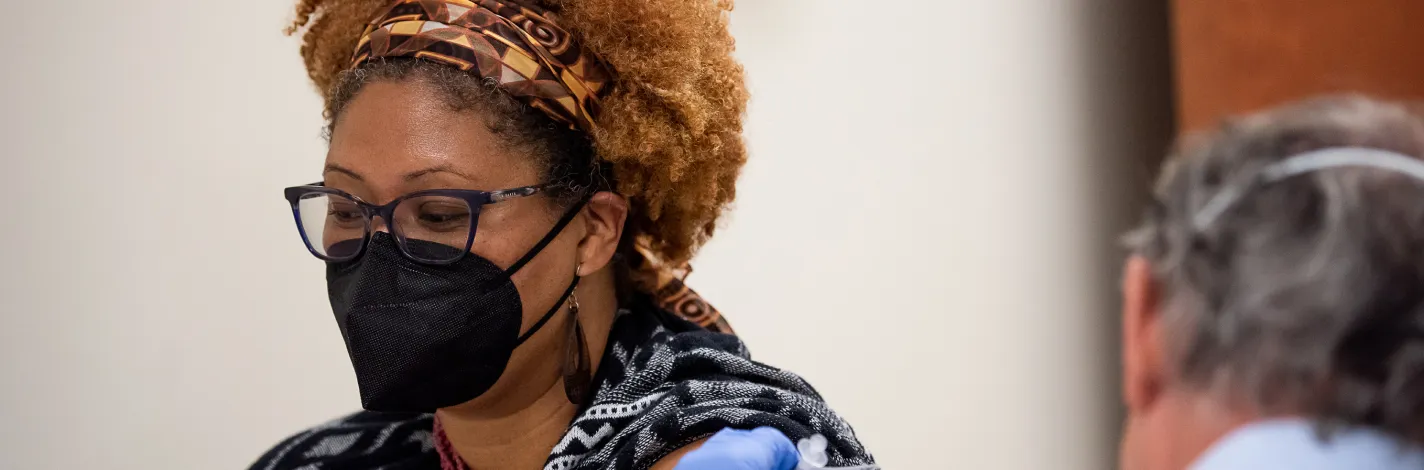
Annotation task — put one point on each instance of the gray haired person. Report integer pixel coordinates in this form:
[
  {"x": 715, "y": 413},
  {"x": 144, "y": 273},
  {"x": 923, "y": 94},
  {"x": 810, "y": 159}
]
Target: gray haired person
[{"x": 1273, "y": 313}]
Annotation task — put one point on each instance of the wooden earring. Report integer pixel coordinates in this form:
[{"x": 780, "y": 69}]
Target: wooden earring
[{"x": 578, "y": 377}]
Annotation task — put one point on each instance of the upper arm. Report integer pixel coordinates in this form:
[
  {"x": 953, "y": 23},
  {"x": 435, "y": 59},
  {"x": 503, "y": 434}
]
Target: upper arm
[{"x": 670, "y": 461}]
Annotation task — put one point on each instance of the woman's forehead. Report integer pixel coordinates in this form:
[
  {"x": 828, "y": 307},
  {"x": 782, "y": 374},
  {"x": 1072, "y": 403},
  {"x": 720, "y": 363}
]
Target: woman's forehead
[{"x": 394, "y": 133}]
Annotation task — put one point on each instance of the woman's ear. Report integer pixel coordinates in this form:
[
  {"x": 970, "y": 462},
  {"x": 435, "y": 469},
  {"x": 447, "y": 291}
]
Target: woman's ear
[
  {"x": 1143, "y": 362},
  {"x": 603, "y": 216}
]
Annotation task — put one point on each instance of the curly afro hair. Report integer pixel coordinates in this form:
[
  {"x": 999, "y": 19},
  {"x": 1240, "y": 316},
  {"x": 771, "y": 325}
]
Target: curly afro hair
[{"x": 670, "y": 132}]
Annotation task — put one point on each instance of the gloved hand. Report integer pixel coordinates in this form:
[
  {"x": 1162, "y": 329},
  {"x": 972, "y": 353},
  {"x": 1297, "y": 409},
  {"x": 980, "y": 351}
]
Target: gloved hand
[{"x": 734, "y": 449}]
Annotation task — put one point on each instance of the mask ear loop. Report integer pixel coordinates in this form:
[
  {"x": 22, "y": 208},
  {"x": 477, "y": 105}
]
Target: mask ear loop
[
  {"x": 545, "y": 319},
  {"x": 1333, "y": 157},
  {"x": 554, "y": 232},
  {"x": 549, "y": 237}
]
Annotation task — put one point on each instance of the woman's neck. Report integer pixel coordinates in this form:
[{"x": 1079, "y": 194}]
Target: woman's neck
[
  {"x": 488, "y": 436},
  {"x": 522, "y": 439}
]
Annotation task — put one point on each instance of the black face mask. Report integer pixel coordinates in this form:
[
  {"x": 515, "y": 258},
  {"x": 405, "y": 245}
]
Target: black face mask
[{"x": 425, "y": 336}]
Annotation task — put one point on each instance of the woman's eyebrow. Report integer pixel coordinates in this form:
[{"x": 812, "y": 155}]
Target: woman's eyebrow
[
  {"x": 411, "y": 176},
  {"x": 444, "y": 168},
  {"x": 332, "y": 167}
]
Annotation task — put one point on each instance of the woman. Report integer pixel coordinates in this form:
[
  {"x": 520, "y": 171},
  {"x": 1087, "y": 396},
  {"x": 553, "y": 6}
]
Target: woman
[{"x": 510, "y": 196}]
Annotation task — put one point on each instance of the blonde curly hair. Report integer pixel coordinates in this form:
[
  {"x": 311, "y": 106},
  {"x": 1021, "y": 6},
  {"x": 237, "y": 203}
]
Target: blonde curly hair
[{"x": 670, "y": 132}]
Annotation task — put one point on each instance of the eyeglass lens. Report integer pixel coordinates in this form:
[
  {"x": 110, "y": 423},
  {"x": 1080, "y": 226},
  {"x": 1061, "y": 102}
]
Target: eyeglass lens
[{"x": 335, "y": 226}]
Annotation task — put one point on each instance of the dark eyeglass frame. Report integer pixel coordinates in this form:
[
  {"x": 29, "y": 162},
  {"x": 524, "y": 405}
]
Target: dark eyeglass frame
[{"x": 475, "y": 199}]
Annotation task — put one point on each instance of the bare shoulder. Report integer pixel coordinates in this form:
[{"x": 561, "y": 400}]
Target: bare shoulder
[{"x": 671, "y": 460}]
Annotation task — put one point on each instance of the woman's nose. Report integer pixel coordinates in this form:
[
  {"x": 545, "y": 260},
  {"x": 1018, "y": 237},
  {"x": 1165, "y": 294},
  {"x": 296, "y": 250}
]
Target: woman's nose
[{"x": 378, "y": 224}]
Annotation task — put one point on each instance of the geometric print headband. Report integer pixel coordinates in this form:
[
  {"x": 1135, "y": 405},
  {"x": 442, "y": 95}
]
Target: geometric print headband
[
  {"x": 1333, "y": 157},
  {"x": 515, "y": 44}
]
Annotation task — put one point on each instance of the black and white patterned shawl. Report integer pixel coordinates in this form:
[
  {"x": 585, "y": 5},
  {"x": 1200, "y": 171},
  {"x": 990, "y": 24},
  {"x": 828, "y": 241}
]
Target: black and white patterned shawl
[{"x": 663, "y": 383}]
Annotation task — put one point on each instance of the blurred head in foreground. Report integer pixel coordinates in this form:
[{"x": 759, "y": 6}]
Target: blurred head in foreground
[{"x": 1266, "y": 291}]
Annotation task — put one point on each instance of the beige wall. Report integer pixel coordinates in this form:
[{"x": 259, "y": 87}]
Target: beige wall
[{"x": 923, "y": 230}]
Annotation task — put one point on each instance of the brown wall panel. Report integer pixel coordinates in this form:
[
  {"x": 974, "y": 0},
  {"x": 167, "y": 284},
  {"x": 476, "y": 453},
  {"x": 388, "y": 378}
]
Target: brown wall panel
[{"x": 1233, "y": 56}]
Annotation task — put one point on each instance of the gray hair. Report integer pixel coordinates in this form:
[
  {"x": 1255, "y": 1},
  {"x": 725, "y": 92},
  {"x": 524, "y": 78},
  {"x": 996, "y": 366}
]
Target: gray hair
[{"x": 1306, "y": 294}]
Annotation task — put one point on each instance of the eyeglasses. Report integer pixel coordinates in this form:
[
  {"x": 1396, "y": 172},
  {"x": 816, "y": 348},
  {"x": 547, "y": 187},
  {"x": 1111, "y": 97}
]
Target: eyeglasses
[{"x": 336, "y": 225}]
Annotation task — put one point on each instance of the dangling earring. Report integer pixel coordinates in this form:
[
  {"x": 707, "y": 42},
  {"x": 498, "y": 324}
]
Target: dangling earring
[{"x": 577, "y": 376}]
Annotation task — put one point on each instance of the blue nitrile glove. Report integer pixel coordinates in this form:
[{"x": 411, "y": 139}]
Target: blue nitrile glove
[{"x": 735, "y": 449}]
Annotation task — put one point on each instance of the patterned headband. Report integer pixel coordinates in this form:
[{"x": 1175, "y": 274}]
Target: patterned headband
[{"x": 509, "y": 41}]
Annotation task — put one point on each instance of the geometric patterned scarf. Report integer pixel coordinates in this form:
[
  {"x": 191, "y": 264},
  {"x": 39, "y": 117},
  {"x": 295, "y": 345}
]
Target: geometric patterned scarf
[{"x": 663, "y": 383}]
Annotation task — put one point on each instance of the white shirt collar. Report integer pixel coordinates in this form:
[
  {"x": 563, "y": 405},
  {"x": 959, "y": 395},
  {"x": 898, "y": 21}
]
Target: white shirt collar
[{"x": 1293, "y": 444}]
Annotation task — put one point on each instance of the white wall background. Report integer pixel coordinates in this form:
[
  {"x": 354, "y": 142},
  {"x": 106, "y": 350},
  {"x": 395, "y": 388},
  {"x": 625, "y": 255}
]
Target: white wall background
[{"x": 923, "y": 230}]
